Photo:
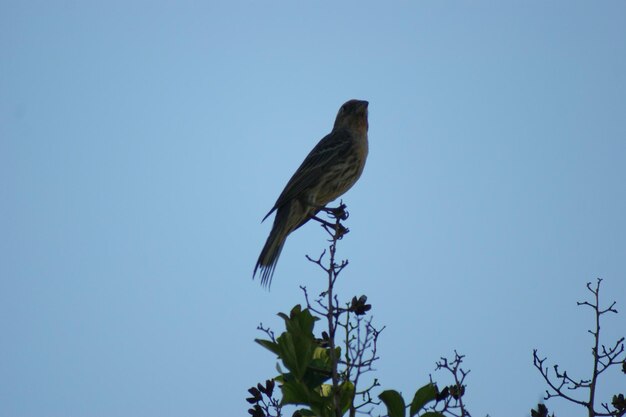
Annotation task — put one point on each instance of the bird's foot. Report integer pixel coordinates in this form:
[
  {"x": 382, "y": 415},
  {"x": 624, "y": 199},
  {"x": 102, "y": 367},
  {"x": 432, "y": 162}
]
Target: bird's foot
[
  {"x": 336, "y": 230},
  {"x": 338, "y": 213},
  {"x": 324, "y": 223}
]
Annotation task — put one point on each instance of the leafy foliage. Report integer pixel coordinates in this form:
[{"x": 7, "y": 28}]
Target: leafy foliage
[{"x": 323, "y": 375}]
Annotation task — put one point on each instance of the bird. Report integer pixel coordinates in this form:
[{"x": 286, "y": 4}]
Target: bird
[{"x": 331, "y": 168}]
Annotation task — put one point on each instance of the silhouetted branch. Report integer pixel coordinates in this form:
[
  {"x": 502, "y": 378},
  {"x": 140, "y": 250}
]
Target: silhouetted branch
[
  {"x": 452, "y": 395},
  {"x": 267, "y": 331},
  {"x": 263, "y": 400},
  {"x": 602, "y": 359}
]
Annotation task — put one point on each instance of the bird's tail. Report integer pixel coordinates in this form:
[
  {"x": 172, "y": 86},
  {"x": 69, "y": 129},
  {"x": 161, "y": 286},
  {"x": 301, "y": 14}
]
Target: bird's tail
[{"x": 273, "y": 246}]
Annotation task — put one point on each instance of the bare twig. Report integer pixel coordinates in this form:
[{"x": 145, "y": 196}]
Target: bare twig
[
  {"x": 360, "y": 336},
  {"x": 603, "y": 358},
  {"x": 452, "y": 395}
]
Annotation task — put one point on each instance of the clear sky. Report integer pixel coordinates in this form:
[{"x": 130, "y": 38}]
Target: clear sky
[{"x": 141, "y": 143}]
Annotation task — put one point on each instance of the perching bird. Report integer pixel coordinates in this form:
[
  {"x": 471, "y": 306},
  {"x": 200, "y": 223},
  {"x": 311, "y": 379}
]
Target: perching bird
[{"x": 328, "y": 171}]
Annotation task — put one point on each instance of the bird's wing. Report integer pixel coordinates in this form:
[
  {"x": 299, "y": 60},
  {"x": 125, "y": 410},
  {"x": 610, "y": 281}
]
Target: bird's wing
[{"x": 328, "y": 151}]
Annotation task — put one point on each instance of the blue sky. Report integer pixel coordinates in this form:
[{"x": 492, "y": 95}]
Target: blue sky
[{"x": 141, "y": 143}]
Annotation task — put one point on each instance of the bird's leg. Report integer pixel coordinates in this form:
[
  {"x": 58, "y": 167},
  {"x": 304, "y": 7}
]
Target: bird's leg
[
  {"x": 336, "y": 230},
  {"x": 338, "y": 213},
  {"x": 324, "y": 222},
  {"x": 332, "y": 228}
]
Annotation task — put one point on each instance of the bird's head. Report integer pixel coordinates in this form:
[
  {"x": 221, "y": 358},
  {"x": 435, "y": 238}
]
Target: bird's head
[{"x": 352, "y": 115}]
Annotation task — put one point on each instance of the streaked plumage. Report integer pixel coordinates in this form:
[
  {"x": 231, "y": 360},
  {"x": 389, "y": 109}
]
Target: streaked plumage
[{"x": 328, "y": 171}]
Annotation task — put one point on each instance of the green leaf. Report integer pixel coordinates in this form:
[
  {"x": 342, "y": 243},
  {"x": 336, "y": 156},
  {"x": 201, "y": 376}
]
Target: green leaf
[
  {"x": 296, "y": 352},
  {"x": 346, "y": 394},
  {"x": 432, "y": 414},
  {"x": 300, "y": 322},
  {"x": 297, "y": 345},
  {"x": 286, "y": 350},
  {"x": 325, "y": 390},
  {"x": 394, "y": 402},
  {"x": 269, "y": 345},
  {"x": 422, "y": 397},
  {"x": 295, "y": 393},
  {"x": 322, "y": 354}
]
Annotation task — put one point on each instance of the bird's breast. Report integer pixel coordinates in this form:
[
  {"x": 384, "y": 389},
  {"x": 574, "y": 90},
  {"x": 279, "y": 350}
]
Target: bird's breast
[{"x": 342, "y": 175}]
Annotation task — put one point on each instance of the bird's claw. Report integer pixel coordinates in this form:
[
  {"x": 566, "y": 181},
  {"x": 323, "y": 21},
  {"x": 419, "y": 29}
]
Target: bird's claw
[
  {"x": 337, "y": 230},
  {"x": 338, "y": 213}
]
